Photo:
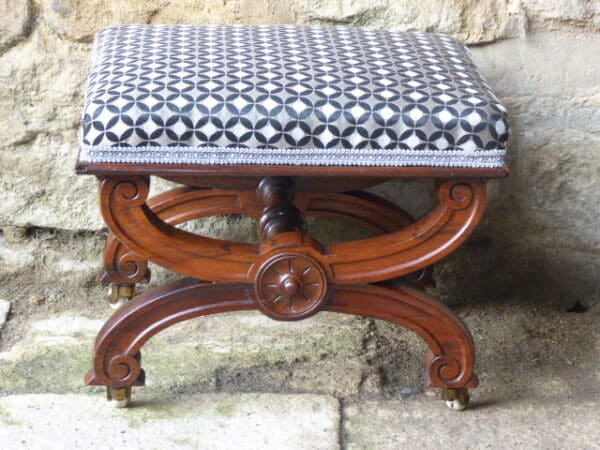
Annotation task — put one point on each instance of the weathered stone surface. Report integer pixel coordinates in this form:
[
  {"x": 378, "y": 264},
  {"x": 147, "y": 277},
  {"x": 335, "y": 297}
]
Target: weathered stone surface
[
  {"x": 80, "y": 20},
  {"x": 52, "y": 266},
  {"x": 469, "y": 20},
  {"x": 419, "y": 422},
  {"x": 40, "y": 188},
  {"x": 546, "y": 14},
  {"x": 41, "y": 83},
  {"x": 539, "y": 345},
  {"x": 527, "y": 356},
  {"x": 549, "y": 203},
  {"x": 227, "y": 12},
  {"x": 15, "y": 22},
  {"x": 207, "y": 421},
  {"x": 538, "y": 368}
]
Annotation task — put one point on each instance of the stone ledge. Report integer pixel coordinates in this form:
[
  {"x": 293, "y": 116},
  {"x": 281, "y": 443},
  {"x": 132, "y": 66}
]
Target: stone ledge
[
  {"x": 210, "y": 421},
  {"x": 492, "y": 422}
]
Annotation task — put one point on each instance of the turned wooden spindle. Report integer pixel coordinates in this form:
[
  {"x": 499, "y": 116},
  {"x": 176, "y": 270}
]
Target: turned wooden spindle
[{"x": 279, "y": 213}]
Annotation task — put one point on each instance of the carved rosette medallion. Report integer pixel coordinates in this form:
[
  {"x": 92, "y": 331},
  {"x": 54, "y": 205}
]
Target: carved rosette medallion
[{"x": 290, "y": 287}]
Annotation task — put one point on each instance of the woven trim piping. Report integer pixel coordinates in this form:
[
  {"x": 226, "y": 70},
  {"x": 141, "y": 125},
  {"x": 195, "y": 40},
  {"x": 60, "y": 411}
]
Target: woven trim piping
[{"x": 293, "y": 156}]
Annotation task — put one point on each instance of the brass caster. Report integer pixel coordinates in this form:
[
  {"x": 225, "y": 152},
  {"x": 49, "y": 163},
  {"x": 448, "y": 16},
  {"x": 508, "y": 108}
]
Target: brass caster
[
  {"x": 456, "y": 399},
  {"x": 118, "y": 397},
  {"x": 120, "y": 294}
]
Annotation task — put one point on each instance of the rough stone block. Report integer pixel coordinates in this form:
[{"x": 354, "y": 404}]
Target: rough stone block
[{"x": 15, "y": 22}]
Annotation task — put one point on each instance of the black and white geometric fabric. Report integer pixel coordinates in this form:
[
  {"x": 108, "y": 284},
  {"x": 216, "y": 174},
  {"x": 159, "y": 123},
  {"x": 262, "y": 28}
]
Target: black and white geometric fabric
[{"x": 294, "y": 95}]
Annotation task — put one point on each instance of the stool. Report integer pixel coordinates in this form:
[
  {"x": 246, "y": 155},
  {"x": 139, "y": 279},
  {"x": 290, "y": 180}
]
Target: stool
[{"x": 280, "y": 123}]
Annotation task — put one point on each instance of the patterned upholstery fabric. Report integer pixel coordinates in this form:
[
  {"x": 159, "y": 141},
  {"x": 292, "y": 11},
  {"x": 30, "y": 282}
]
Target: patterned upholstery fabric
[{"x": 295, "y": 95}]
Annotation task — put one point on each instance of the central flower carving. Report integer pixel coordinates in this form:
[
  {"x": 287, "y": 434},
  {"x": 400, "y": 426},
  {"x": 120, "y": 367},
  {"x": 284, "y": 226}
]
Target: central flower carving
[
  {"x": 290, "y": 287},
  {"x": 294, "y": 287}
]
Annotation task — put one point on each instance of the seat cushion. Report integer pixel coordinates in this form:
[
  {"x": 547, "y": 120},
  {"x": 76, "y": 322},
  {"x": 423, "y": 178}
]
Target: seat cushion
[{"x": 291, "y": 95}]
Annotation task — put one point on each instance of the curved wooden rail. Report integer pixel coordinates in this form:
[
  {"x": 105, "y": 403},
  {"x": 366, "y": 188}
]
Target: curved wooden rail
[
  {"x": 117, "y": 361},
  {"x": 421, "y": 244},
  {"x": 358, "y": 207},
  {"x": 123, "y": 265},
  {"x": 180, "y": 205},
  {"x": 392, "y": 255}
]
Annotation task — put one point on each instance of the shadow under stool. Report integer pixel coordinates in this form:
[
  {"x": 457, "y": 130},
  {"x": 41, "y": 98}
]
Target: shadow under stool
[{"x": 281, "y": 123}]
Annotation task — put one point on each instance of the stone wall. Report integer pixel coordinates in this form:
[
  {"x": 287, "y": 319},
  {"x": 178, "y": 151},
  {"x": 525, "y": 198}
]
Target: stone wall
[{"x": 541, "y": 238}]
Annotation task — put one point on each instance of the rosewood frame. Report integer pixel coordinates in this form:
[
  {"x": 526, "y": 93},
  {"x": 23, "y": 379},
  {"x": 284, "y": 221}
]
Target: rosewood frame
[{"x": 288, "y": 275}]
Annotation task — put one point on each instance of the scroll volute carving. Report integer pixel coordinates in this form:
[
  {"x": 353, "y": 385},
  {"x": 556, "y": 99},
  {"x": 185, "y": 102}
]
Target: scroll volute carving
[
  {"x": 122, "y": 265},
  {"x": 123, "y": 204},
  {"x": 450, "y": 357}
]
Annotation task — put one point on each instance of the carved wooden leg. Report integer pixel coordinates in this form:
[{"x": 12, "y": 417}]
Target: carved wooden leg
[
  {"x": 367, "y": 210},
  {"x": 449, "y": 360},
  {"x": 451, "y": 355},
  {"x": 117, "y": 358},
  {"x": 122, "y": 265}
]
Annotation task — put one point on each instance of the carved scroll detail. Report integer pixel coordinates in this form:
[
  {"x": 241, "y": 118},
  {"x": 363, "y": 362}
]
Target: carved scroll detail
[
  {"x": 139, "y": 228},
  {"x": 370, "y": 260},
  {"x": 122, "y": 265},
  {"x": 450, "y": 358}
]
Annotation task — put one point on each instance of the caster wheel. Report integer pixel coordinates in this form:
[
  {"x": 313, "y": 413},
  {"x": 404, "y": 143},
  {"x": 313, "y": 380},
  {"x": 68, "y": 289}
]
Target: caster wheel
[
  {"x": 456, "y": 405},
  {"x": 456, "y": 399},
  {"x": 118, "y": 397},
  {"x": 120, "y": 294},
  {"x": 121, "y": 301},
  {"x": 118, "y": 404}
]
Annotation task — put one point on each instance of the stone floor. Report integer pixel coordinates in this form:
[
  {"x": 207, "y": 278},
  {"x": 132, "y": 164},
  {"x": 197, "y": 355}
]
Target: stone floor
[{"x": 243, "y": 381}]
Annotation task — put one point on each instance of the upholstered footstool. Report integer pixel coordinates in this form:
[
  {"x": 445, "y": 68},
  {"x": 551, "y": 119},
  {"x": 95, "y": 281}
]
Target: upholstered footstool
[{"x": 280, "y": 123}]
